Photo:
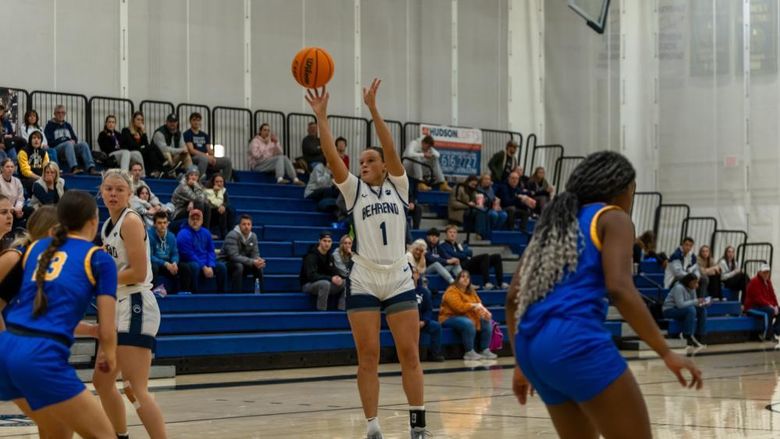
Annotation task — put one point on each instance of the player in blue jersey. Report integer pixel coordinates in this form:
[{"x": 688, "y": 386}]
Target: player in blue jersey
[
  {"x": 62, "y": 275},
  {"x": 380, "y": 279},
  {"x": 579, "y": 256}
]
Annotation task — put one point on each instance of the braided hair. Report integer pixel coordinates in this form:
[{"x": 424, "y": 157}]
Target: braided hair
[
  {"x": 74, "y": 210},
  {"x": 553, "y": 249}
]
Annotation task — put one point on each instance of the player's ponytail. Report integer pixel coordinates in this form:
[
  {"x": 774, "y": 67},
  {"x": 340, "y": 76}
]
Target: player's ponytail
[
  {"x": 553, "y": 250},
  {"x": 74, "y": 210}
]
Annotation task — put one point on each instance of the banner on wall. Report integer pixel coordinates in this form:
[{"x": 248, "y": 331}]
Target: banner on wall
[{"x": 460, "y": 148}]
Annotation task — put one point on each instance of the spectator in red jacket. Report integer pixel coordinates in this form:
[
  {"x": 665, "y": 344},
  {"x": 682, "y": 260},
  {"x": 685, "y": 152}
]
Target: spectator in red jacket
[{"x": 760, "y": 300}]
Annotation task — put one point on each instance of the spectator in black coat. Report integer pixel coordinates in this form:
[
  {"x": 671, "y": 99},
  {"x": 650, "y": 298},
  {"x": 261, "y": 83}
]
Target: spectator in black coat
[
  {"x": 110, "y": 141},
  {"x": 516, "y": 200},
  {"x": 134, "y": 139},
  {"x": 319, "y": 275},
  {"x": 428, "y": 324},
  {"x": 310, "y": 146},
  {"x": 437, "y": 263}
]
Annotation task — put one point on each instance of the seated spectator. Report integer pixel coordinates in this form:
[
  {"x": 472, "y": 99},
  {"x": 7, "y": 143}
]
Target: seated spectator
[
  {"x": 682, "y": 305},
  {"x": 189, "y": 195},
  {"x": 415, "y": 210},
  {"x": 196, "y": 249},
  {"x": 321, "y": 188},
  {"x": 497, "y": 217},
  {"x": 266, "y": 155},
  {"x": 516, "y": 200},
  {"x": 221, "y": 216},
  {"x": 9, "y": 142},
  {"x": 31, "y": 124},
  {"x": 32, "y": 159},
  {"x": 68, "y": 150},
  {"x": 11, "y": 187},
  {"x": 424, "y": 155},
  {"x": 136, "y": 172},
  {"x": 644, "y": 247},
  {"x": 466, "y": 207},
  {"x": 542, "y": 190},
  {"x": 341, "y": 147},
  {"x": 731, "y": 275},
  {"x": 481, "y": 264},
  {"x": 6, "y": 223},
  {"x": 140, "y": 203},
  {"x": 434, "y": 260},
  {"x": 504, "y": 162},
  {"x": 310, "y": 147},
  {"x": 342, "y": 257},
  {"x": 760, "y": 300},
  {"x": 682, "y": 262},
  {"x": 710, "y": 269},
  {"x": 170, "y": 141},
  {"x": 48, "y": 189},
  {"x": 164, "y": 254},
  {"x": 241, "y": 254},
  {"x": 134, "y": 139},
  {"x": 462, "y": 310},
  {"x": 416, "y": 257},
  {"x": 110, "y": 142},
  {"x": 199, "y": 146},
  {"x": 319, "y": 275},
  {"x": 427, "y": 324}
]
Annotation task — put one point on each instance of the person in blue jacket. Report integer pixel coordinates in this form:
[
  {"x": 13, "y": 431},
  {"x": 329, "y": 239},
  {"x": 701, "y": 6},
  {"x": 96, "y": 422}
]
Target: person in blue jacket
[
  {"x": 428, "y": 324},
  {"x": 196, "y": 249},
  {"x": 165, "y": 257}
]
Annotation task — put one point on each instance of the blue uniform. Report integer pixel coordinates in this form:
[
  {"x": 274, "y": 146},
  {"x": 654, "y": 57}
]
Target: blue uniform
[
  {"x": 561, "y": 345},
  {"x": 34, "y": 351}
]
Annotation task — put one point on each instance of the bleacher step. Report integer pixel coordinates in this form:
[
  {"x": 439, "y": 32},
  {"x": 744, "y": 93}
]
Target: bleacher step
[
  {"x": 439, "y": 223},
  {"x": 614, "y": 314},
  {"x": 83, "y": 347},
  {"x": 156, "y": 372}
]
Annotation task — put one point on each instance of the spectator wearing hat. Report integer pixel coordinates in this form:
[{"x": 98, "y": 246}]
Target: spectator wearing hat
[
  {"x": 196, "y": 249},
  {"x": 319, "y": 275},
  {"x": 200, "y": 149},
  {"x": 190, "y": 195},
  {"x": 242, "y": 254},
  {"x": 110, "y": 142},
  {"x": 169, "y": 139},
  {"x": 435, "y": 260},
  {"x": 761, "y": 301}
]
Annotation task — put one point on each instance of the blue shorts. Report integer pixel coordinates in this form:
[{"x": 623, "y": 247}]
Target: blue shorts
[
  {"x": 569, "y": 360},
  {"x": 36, "y": 369}
]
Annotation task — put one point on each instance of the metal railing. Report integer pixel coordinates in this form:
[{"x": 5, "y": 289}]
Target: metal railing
[
  {"x": 722, "y": 239},
  {"x": 232, "y": 128},
  {"x": 754, "y": 251},
  {"x": 564, "y": 166},
  {"x": 356, "y": 131},
  {"x": 16, "y": 101},
  {"x": 670, "y": 219},
  {"x": 297, "y": 124},
  {"x": 544, "y": 156},
  {"x": 155, "y": 114},
  {"x": 277, "y": 122},
  {"x": 643, "y": 211},
  {"x": 396, "y": 130},
  {"x": 494, "y": 141},
  {"x": 100, "y": 107},
  {"x": 185, "y": 111},
  {"x": 700, "y": 228},
  {"x": 76, "y": 106}
]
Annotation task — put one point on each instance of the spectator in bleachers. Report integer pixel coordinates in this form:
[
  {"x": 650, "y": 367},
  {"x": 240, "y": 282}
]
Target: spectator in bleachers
[
  {"x": 436, "y": 262},
  {"x": 32, "y": 159},
  {"x": 421, "y": 150},
  {"x": 462, "y": 310},
  {"x": 497, "y": 217},
  {"x": 49, "y": 188},
  {"x": 342, "y": 257},
  {"x": 644, "y": 247},
  {"x": 30, "y": 124},
  {"x": 111, "y": 143},
  {"x": 222, "y": 214},
  {"x": 134, "y": 138},
  {"x": 6, "y": 222},
  {"x": 481, "y": 264},
  {"x": 136, "y": 172},
  {"x": 321, "y": 188},
  {"x": 341, "y": 147},
  {"x": 140, "y": 202},
  {"x": 189, "y": 195},
  {"x": 541, "y": 189},
  {"x": 415, "y": 254},
  {"x": 169, "y": 139},
  {"x": 466, "y": 207},
  {"x": 319, "y": 275},
  {"x": 681, "y": 304},
  {"x": 165, "y": 257},
  {"x": 516, "y": 200},
  {"x": 196, "y": 248},
  {"x": 11, "y": 187},
  {"x": 760, "y": 300},
  {"x": 731, "y": 275},
  {"x": 199, "y": 146},
  {"x": 682, "y": 262},
  {"x": 8, "y": 138},
  {"x": 266, "y": 155},
  {"x": 711, "y": 269},
  {"x": 504, "y": 162},
  {"x": 241, "y": 254},
  {"x": 428, "y": 325},
  {"x": 68, "y": 150},
  {"x": 310, "y": 147},
  {"x": 415, "y": 210}
]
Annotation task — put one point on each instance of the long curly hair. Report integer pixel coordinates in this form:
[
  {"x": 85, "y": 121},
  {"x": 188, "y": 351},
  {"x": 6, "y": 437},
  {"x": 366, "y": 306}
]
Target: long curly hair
[{"x": 553, "y": 249}]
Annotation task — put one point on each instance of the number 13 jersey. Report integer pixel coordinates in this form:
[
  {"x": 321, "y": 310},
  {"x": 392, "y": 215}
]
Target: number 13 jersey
[{"x": 379, "y": 215}]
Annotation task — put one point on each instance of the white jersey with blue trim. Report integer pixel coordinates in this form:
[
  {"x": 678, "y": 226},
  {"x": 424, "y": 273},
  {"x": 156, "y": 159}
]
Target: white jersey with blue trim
[
  {"x": 114, "y": 244},
  {"x": 379, "y": 217}
]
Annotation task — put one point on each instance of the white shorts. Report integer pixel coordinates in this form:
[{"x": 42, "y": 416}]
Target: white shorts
[
  {"x": 388, "y": 288},
  {"x": 137, "y": 320}
]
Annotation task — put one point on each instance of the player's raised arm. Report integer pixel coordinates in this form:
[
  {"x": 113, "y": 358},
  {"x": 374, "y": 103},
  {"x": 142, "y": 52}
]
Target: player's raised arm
[
  {"x": 393, "y": 161},
  {"x": 318, "y": 101}
]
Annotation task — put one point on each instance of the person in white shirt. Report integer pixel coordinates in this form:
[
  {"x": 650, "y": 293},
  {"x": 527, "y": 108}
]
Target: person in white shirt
[{"x": 422, "y": 153}]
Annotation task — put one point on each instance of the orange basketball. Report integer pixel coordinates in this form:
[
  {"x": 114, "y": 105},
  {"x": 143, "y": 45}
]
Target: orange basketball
[{"x": 312, "y": 67}]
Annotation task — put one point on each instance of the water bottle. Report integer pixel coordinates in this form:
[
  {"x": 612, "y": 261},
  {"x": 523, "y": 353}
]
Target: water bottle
[{"x": 257, "y": 286}]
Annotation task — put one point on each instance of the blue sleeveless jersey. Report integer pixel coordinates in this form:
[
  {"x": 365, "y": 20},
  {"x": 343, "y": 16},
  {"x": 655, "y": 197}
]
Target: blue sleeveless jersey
[
  {"x": 583, "y": 293},
  {"x": 78, "y": 272}
]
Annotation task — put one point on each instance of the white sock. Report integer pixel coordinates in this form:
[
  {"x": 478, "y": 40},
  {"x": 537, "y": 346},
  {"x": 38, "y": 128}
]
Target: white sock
[{"x": 372, "y": 425}]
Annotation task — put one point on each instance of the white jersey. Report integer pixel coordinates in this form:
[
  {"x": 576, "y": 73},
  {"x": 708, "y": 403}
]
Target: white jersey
[
  {"x": 379, "y": 217},
  {"x": 115, "y": 246}
]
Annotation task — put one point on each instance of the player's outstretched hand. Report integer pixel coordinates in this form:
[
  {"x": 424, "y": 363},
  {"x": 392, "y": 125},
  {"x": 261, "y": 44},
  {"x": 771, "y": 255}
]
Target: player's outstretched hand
[
  {"x": 318, "y": 100},
  {"x": 676, "y": 363},
  {"x": 521, "y": 387},
  {"x": 369, "y": 94}
]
